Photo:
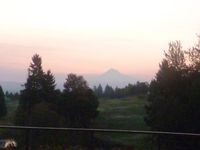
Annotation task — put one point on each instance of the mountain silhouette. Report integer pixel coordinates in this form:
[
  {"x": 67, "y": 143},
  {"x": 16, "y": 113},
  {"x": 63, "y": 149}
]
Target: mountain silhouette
[
  {"x": 112, "y": 72},
  {"x": 112, "y": 77}
]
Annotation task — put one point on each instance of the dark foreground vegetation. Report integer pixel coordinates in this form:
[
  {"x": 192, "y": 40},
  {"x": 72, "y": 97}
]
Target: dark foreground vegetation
[
  {"x": 125, "y": 113},
  {"x": 174, "y": 95},
  {"x": 41, "y": 104}
]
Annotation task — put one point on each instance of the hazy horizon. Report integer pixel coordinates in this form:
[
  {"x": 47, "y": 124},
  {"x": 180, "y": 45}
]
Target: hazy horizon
[
  {"x": 21, "y": 76},
  {"x": 111, "y": 77},
  {"x": 90, "y": 37}
]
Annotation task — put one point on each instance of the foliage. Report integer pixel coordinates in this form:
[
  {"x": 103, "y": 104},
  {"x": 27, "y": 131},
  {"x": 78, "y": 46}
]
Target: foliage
[
  {"x": 37, "y": 103},
  {"x": 79, "y": 108},
  {"x": 175, "y": 55},
  {"x": 98, "y": 91},
  {"x": 174, "y": 93},
  {"x": 109, "y": 92},
  {"x": 79, "y": 102},
  {"x": 44, "y": 115},
  {"x": 194, "y": 55},
  {"x": 75, "y": 83},
  {"x": 42, "y": 105},
  {"x": 39, "y": 88},
  {"x": 3, "y": 108}
]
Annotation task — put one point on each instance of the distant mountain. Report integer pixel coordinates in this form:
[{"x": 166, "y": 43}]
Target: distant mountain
[
  {"x": 112, "y": 77},
  {"x": 11, "y": 86}
]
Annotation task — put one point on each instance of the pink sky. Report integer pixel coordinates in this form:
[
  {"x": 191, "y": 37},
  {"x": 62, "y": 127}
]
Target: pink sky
[{"x": 89, "y": 37}]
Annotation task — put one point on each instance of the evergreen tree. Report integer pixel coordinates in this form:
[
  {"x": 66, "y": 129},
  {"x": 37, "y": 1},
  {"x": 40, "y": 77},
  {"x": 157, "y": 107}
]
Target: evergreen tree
[
  {"x": 95, "y": 90},
  {"x": 120, "y": 92},
  {"x": 39, "y": 87},
  {"x": 109, "y": 92},
  {"x": 3, "y": 108},
  {"x": 49, "y": 85},
  {"x": 31, "y": 95},
  {"x": 100, "y": 91},
  {"x": 39, "y": 103},
  {"x": 33, "y": 86}
]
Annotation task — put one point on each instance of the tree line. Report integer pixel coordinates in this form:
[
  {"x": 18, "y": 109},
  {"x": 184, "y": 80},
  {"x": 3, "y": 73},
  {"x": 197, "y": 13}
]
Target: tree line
[
  {"x": 41, "y": 104},
  {"x": 139, "y": 88}
]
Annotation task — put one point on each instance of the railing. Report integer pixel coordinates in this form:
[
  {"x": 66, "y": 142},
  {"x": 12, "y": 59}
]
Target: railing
[{"x": 158, "y": 134}]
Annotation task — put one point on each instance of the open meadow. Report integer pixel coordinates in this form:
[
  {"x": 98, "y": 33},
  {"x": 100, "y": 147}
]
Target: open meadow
[{"x": 125, "y": 113}]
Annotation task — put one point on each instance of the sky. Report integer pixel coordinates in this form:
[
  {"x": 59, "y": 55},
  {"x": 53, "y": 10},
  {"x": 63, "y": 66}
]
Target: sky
[{"x": 92, "y": 36}]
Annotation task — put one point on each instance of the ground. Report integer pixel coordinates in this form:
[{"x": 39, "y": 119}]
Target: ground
[{"x": 126, "y": 113}]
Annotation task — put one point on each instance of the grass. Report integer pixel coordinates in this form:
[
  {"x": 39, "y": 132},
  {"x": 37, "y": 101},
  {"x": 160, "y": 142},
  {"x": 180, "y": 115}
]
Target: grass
[
  {"x": 126, "y": 113},
  {"x": 11, "y": 110}
]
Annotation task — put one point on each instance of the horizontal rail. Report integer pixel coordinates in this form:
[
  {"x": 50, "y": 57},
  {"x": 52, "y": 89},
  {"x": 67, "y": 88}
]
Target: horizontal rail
[{"x": 100, "y": 130}]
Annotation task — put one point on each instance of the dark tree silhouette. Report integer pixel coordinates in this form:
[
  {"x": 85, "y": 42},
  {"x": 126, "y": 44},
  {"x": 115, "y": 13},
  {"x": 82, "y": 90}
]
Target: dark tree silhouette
[
  {"x": 173, "y": 100},
  {"x": 98, "y": 91},
  {"x": 80, "y": 103},
  {"x": 79, "y": 108},
  {"x": 49, "y": 85},
  {"x": 109, "y": 92},
  {"x": 38, "y": 104},
  {"x": 39, "y": 87},
  {"x": 3, "y": 108}
]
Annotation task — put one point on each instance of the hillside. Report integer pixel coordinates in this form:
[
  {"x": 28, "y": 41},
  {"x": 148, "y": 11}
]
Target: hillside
[{"x": 127, "y": 113}]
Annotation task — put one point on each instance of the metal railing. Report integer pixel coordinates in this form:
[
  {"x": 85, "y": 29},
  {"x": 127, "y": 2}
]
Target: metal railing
[{"x": 157, "y": 133}]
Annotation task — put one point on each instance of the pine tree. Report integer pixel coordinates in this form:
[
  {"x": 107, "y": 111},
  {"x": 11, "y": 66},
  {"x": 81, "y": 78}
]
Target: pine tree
[
  {"x": 99, "y": 91},
  {"x": 109, "y": 92},
  {"x": 39, "y": 87},
  {"x": 49, "y": 85}
]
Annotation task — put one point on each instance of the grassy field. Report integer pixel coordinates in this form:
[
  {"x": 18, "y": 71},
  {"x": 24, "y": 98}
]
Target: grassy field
[
  {"x": 11, "y": 109},
  {"x": 126, "y": 113}
]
